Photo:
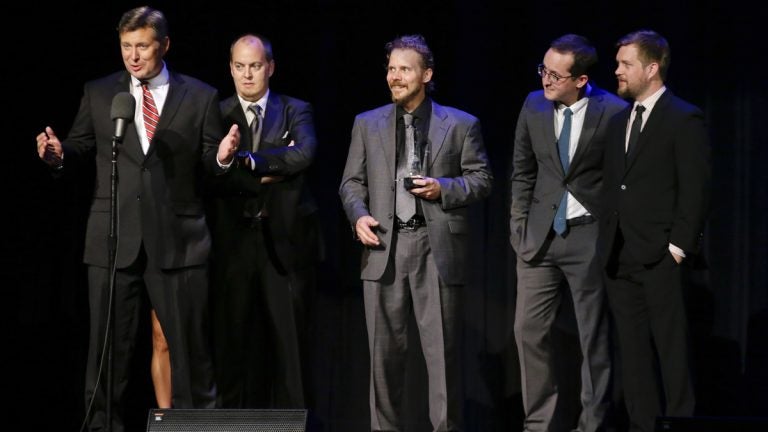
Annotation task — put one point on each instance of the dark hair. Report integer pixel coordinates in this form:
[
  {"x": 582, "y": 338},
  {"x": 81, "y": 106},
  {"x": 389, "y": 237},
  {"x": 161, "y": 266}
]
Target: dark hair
[
  {"x": 418, "y": 44},
  {"x": 584, "y": 54},
  {"x": 651, "y": 47},
  {"x": 264, "y": 41},
  {"x": 143, "y": 17}
]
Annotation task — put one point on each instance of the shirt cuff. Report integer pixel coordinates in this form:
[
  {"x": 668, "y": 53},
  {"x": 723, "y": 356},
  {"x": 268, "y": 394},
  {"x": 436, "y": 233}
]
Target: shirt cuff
[
  {"x": 224, "y": 166},
  {"x": 676, "y": 250}
]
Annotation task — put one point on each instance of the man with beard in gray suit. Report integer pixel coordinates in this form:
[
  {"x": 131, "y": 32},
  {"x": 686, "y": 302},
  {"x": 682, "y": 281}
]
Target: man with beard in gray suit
[
  {"x": 557, "y": 173},
  {"x": 415, "y": 239}
]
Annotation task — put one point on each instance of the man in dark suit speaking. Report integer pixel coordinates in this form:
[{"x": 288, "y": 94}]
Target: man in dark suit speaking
[
  {"x": 266, "y": 240},
  {"x": 556, "y": 179},
  {"x": 163, "y": 240},
  {"x": 412, "y": 170},
  {"x": 656, "y": 197}
]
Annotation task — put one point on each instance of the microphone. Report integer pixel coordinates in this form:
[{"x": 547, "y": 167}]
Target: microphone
[{"x": 122, "y": 112}]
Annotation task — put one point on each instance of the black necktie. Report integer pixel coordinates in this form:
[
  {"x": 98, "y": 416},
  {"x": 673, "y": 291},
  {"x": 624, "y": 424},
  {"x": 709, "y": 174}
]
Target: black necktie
[{"x": 634, "y": 132}]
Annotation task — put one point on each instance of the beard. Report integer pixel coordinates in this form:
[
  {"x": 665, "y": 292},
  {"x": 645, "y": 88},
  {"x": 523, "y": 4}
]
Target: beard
[
  {"x": 405, "y": 97},
  {"x": 629, "y": 91},
  {"x": 624, "y": 92}
]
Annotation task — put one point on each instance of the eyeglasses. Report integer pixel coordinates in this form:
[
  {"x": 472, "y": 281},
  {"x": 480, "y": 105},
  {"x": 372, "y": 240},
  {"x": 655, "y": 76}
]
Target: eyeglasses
[{"x": 555, "y": 78}]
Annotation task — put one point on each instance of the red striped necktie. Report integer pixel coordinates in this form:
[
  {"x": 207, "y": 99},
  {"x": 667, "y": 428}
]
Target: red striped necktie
[{"x": 151, "y": 115}]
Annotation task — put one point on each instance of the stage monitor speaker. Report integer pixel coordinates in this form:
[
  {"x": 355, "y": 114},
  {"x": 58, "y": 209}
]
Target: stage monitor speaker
[
  {"x": 711, "y": 424},
  {"x": 226, "y": 420}
]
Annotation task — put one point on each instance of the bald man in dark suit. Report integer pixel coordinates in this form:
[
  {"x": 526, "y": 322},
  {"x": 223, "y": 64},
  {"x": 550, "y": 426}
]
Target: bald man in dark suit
[{"x": 266, "y": 240}]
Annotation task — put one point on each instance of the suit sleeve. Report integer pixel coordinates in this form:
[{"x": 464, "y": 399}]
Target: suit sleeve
[
  {"x": 693, "y": 171},
  {"x": 475, "y": 180},
  {"x": 354, "y": 182},
  {"x": 81, "y": 140},
  {"x": 211, "y": 133},
  {"x": 523, "y": 179},
  {"x": 294, "y": 159}
]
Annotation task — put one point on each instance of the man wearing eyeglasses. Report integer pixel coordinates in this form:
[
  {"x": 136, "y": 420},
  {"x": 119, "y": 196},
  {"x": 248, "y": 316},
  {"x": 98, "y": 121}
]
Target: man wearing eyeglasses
[{"x": 557, "y": 173}]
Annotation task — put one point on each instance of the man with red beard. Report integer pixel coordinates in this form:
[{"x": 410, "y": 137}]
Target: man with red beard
[
  {"x": 412, "y": 171},
  {"x": 656, "y": 198}
]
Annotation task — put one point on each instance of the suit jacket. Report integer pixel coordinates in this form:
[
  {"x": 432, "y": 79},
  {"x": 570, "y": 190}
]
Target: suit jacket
[
  {"x": 292, "y": 211},
  {"x": 457, "y": 159},
  {"x": 660, "y": 194},
  {"x": 538, "y": 180},
  {"x": 159, "y": 194}
]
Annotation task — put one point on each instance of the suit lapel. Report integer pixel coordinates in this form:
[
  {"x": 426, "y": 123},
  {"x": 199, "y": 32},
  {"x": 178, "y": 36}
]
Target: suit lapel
[
  {"x": 271, "y": 130},
  {"x": 547, "y": 122},
  {"x": 438, "y": 129},
  {"x": 387, "y": 140},
  {"x": 233, "y": 114},
  {"x": 592, "y": 116},
  {"x": 131, "y": 143},
  {"x": 650, "y": 127},
  {"x": 176, "y": 92}
]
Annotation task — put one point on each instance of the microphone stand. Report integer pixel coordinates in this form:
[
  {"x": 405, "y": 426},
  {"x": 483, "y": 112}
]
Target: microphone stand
[{"x": 112, "y": 248}]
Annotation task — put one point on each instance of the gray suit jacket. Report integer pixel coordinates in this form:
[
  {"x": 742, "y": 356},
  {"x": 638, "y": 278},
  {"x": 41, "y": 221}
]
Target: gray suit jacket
[
  {"x": 457, "y": 160},
  {"x": 538, "y": 180}
]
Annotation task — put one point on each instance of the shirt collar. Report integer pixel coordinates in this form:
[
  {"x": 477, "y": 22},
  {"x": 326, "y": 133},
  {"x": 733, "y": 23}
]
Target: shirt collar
[
  {"x": 261, "y": 102},
  {"x": 158, "y": 80},
  {"x": 423, "y": 111},
  {"x": 579, "y": 104},
  {"x": 650, "y": 101}
]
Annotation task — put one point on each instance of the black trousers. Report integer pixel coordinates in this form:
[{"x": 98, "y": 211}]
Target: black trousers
[
  {"x": 180, "y": 298},
  {"x": 649, "y": 311},
  {"x": 259, "y": 324}
]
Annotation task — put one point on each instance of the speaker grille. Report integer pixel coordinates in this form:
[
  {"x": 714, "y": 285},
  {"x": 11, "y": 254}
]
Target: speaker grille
[{"x": 226, "y": 420}]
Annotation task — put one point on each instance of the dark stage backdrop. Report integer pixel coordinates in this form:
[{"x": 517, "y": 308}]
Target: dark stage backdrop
[{"x": 331, "y": 53}]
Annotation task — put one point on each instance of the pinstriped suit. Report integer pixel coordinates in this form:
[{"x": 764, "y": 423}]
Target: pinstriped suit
[{"x": 163, "y": 239}]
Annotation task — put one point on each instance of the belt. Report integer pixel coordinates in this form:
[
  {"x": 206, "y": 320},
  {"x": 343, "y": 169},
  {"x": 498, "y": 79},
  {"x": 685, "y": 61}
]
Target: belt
[
  {"x": 412, "y": 224},
  {"x": 581, "y": 220}
]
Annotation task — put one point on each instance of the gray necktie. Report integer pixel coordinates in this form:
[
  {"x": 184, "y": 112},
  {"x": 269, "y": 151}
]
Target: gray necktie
[
  {"x": 405, "y": 201},
  {"x": 255, "y": 126}
]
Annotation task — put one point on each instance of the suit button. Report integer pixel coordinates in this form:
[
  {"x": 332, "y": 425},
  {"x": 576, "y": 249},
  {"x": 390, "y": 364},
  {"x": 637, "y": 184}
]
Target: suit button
[
  {"x": 623, "y": 187},
  {"x": 615, "y": 213},
  {"x": 554, "y": 207},
  {"x": 389, "y": 215},
  {"x": 393, "y": 187},
  {"x": 138, "y": 197}
]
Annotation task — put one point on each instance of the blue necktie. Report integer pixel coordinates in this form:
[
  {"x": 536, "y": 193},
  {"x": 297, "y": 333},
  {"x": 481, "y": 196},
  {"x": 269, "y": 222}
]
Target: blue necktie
[{"x": 563, "y": 144}]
